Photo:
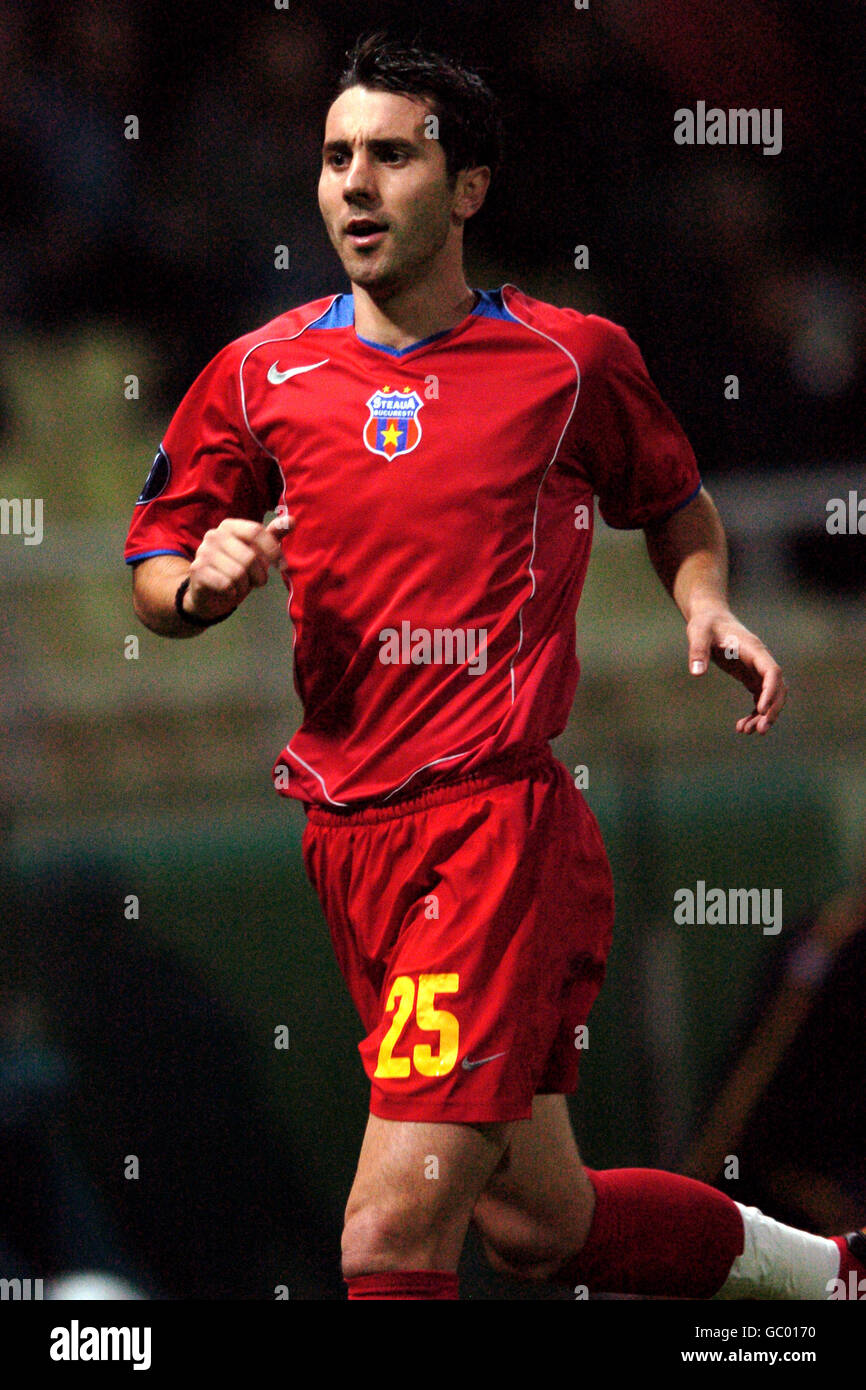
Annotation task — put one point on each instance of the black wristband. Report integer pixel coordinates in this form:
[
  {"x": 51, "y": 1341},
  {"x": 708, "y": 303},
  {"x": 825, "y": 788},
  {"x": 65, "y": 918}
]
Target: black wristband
[{"x": 190, "y": 617}]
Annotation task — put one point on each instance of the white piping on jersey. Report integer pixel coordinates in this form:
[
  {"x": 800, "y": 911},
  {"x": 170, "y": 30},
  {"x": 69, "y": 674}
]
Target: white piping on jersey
[
  {"x": 573, "y": 362},
  {"x": 263, "y": 343},
  {"x": 289, "y": 611},
  {"x": 450, "y": 756},
  {"x": 317, "y": 776}
]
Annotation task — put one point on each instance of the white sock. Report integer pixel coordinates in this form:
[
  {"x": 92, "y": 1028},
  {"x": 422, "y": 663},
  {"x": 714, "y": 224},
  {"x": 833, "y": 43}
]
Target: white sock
[{"x": 779, "y": 1262}]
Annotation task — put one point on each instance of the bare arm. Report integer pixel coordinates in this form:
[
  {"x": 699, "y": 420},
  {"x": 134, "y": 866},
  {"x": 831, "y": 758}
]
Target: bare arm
[
  {"x": 690, "y": 555},
  {"x": 231, "y": 560}
]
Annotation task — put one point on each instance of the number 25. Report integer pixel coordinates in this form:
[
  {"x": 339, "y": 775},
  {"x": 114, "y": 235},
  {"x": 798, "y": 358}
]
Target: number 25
[{"x": 401, "y": 998}]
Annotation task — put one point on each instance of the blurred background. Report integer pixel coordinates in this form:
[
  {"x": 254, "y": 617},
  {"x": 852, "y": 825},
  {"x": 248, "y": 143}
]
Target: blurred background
[{"x": 157, "y": 926}]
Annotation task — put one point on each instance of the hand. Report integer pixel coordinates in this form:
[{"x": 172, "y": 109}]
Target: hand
[
  {"x": 715, "y": 633},
  {"x": 231, "y": 560}
]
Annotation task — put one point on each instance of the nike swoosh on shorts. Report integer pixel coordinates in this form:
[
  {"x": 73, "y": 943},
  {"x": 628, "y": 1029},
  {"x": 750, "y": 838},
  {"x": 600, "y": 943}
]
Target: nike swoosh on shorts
[{"x": 470, "y": 1066}]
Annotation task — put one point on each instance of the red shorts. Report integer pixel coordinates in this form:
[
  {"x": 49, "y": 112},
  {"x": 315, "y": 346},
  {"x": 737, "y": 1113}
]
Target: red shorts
[{"x": 472, "y": 923}]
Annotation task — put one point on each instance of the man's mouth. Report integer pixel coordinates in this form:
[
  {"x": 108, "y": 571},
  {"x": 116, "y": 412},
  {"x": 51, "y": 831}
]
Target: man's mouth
[{"x": 365, "y": 231}]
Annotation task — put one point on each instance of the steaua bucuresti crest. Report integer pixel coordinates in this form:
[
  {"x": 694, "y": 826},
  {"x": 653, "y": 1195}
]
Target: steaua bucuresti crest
[{"x": 393, "y": 427}]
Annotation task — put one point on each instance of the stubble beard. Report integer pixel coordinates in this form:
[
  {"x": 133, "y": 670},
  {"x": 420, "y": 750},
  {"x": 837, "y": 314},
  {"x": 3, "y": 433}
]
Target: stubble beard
[{"x": 396, "y": 274}]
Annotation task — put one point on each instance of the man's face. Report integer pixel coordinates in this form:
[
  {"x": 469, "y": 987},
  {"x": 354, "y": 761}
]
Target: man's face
[{"x": 384, "y": 191}]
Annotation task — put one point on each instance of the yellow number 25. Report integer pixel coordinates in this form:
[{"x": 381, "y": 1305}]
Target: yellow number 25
[{"x": 401, "y": 998}]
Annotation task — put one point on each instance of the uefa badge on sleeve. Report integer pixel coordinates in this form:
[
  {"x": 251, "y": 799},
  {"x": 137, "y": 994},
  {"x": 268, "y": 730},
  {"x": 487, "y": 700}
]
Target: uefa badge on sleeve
[
  {"x": 157, "y": 479},
  {"x": 393, "y": 427}
]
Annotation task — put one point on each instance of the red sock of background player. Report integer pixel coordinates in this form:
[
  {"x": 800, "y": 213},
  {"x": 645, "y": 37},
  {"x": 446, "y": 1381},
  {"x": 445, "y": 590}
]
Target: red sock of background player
[
  {"x": 662, "y": 1234},
  {"x": 852, "y": 1271},
  {"x": 413, "y": 1283}
]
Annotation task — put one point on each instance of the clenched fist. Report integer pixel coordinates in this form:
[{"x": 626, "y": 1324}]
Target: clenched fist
[{"x": 231, "y": 560}]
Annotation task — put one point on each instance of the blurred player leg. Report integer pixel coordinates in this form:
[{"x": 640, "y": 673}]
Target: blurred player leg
[
  {"x": 641, "y": 1231},
  {"x": 537, "y": 1207}
]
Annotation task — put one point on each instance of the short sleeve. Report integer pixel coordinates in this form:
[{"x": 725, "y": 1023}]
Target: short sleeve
[
  {"x": 207, "y": 468},
  {"x": 623, "y": 437}
]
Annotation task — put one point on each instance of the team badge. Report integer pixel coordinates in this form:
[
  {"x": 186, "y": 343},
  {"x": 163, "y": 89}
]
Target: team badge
[{"x": 393, "y": 427}]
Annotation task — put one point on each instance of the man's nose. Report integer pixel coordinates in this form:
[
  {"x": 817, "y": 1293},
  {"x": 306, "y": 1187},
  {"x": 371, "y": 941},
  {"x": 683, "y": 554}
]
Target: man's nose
[{"x": 359, "y": 181}]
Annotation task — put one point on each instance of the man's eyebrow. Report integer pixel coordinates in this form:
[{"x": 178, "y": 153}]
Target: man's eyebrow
[{"x": 395, "y": 142}]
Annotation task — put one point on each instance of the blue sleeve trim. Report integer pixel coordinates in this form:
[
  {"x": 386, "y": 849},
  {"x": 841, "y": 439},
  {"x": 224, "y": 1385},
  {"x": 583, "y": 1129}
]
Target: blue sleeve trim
[
  {"x": 666, "y": 516},
  {"x": 149, "y": 554}
]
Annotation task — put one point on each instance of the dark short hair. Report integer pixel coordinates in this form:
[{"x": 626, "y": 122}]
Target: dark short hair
[{"x": 470, "y": 123}]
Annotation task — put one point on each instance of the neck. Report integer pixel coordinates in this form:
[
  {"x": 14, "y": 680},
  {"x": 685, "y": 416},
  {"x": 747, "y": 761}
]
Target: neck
[{"x": 409, "y": 314}]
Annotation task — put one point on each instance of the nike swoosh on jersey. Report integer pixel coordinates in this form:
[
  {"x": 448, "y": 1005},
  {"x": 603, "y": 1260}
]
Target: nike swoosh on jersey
[
  {"x": 470, "y": 1066},
  {"x": 276, "y": 377}
]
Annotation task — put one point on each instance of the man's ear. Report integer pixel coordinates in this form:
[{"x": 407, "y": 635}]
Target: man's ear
[{"x": 470, "y": 191}]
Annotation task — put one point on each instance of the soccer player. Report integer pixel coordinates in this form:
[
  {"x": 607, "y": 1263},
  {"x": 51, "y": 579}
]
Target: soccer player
[{"x": 433, "y": 452}]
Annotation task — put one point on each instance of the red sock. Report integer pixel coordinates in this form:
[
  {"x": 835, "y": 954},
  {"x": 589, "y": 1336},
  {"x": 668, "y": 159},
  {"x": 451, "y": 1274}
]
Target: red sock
[
  {"x": 849, "y": 1264},
  {"x": 656, "y": 1233},
  {"x": 413, "y": 1283}
]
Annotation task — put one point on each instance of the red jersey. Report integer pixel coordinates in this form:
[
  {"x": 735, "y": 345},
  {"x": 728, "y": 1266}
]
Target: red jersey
[{"x": 443, "y": 505}]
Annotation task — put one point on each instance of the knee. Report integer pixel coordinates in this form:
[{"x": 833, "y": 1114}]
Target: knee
[
  {"x": 385, "y": 1235},
  {"x": 369, "y": 1235}
]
